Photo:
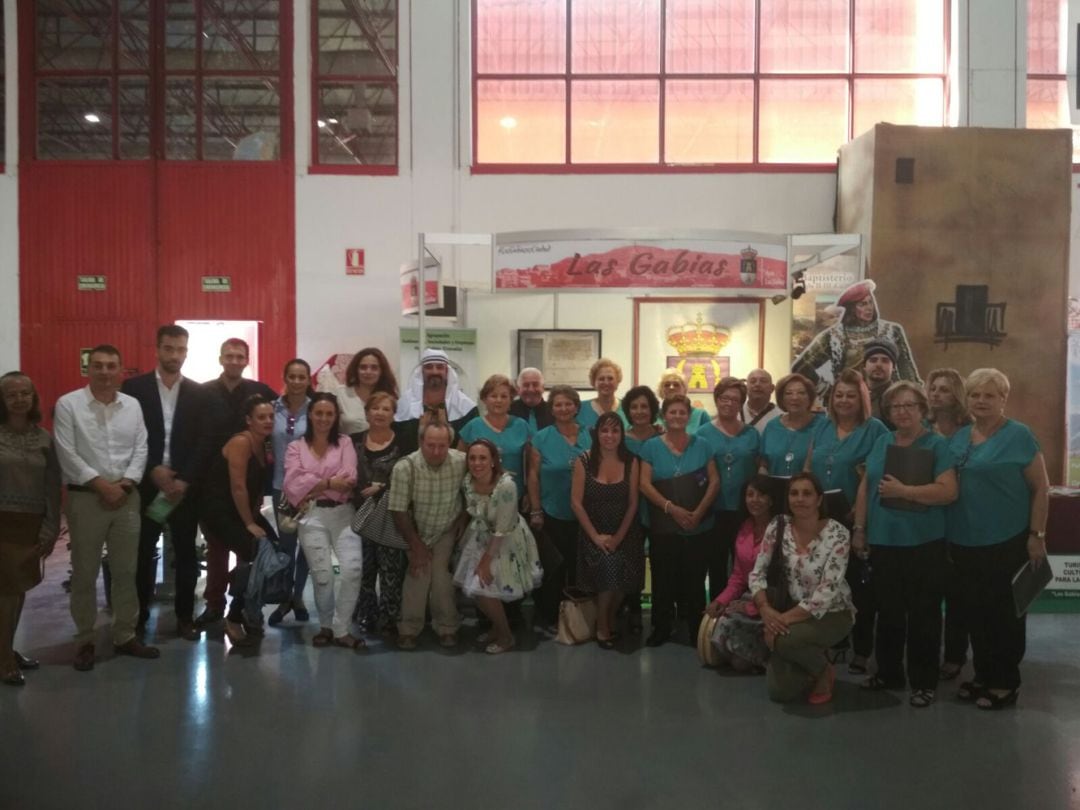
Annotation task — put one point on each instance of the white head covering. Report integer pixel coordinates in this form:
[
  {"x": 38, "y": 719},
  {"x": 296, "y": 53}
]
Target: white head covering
[{"x": 411, "y": 405}]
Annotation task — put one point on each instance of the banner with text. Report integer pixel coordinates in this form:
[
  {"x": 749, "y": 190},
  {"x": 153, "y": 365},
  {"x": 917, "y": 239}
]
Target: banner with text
[{"x": 597, "y": 264}]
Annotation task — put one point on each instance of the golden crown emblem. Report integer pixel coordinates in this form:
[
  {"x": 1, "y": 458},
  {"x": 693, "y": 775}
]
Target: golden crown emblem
[{"x": 698, "y": 338}]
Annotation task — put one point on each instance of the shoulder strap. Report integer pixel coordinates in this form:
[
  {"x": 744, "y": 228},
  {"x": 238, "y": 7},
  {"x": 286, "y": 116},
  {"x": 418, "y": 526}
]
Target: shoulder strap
[{"x": 761, "y": 414}]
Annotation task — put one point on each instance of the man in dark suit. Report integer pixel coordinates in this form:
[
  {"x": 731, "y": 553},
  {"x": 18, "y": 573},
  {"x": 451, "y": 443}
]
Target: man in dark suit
[
  {"x": 172, "y": 408},
  {"x": 223, "y": 416}
]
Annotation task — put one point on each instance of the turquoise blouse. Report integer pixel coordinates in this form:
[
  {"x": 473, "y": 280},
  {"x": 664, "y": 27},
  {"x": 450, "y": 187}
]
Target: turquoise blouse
[
  {"x": 736, "y": 460},
  {"x": 835, "y": 461},
  {"x": 587, "y": 416},
  {"x": 785, "y": 450},
  {"x": 665, "y": 464},
  {"x": 511, "y": 441},
  {"x": 995, "y": 501},
  {"x": 698, "y": 418},
  {"x": 899, "y": 527},
  {"x": 557, "y": 459}
]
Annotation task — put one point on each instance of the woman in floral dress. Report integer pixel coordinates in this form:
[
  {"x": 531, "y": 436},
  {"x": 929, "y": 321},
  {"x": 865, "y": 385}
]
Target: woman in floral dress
[{"x": 499, "y": 562}]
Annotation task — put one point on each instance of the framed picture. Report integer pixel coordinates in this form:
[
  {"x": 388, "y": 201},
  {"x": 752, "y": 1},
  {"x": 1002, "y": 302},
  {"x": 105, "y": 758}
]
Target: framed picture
[
  {"x": 704, "y": 339},
  {"x": 563, "y": 355}
]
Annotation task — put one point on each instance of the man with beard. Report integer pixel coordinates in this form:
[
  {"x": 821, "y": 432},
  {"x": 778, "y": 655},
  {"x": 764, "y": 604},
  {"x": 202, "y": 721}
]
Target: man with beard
[
  {"x": 530, "y": 404},
  {"x": 172, "y": 410},
  {"x": 432, "y": 396},
  {"x": 879, "y": 370}
]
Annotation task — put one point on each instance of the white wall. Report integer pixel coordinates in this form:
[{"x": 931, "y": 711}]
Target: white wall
[{"x": 9, "y": 206}]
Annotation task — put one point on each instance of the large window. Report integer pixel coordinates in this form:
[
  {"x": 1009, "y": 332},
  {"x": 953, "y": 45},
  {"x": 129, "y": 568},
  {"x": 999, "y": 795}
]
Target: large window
[
  {"x": 593, "y": 85},
  {"x": 354, "y": 86},
  {"x": 181, "y": 80},
  {"x": 1047, "y": 91}
]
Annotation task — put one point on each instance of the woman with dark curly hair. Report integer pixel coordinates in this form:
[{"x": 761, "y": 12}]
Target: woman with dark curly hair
[{"x": 368, "y": 371}]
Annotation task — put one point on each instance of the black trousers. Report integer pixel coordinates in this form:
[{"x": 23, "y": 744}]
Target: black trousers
[
  {"x": 998, "y": 637},
  {"x": 183, "y": 527},
  {"x": 956, "y": 631},
  {"x": 720, "y": 550},
  {"x": 563, "y": 535},
  {"x": 678, "y": 567},
  {"x": 866, "y": 605},
  {"x": 910, "y": 583}
]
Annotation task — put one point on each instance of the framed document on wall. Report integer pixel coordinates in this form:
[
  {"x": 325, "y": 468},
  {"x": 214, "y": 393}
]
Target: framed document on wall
[{"x": 563, "y": 355}]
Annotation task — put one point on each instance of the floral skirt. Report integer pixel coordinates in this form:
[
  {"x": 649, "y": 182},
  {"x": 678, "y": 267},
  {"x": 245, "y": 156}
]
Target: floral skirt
[
  {"x": 737, "y": 634},
  {"x": 515, "y": 570}
]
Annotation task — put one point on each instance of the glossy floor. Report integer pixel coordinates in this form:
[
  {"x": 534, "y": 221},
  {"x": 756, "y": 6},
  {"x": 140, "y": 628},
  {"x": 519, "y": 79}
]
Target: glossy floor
[{"x": 290, "y": 726}]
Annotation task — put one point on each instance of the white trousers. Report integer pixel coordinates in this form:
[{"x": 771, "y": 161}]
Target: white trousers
[{"x": 325, "y": 529}]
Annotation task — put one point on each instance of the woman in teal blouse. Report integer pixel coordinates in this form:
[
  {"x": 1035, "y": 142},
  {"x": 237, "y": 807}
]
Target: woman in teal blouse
[
  {"x": 785, "y": 442},
  {"x": 998, "y": 524},
  {"x": 605, "y": 376},
  {"x": 841, "y": 444},
  {"x": 551, "y": 463},
  {"x": 672, "y": 383},
  {"x": 907, "y": 546},
  {"x": 680, "y": 532},
  {"x": 510, "y": 434},
  {"x": 735, "y": 447}
]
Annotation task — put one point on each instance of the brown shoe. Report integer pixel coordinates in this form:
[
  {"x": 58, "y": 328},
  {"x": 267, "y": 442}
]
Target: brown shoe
[
  {"x": 448, "y": 640},
  {"x": 84, "y": 658},
  {"x": 236, "y": 633},
  {"x": 187, "y": 630},
  {"x": 406, "y": 642},
  {"x": 136, "y": 649}
]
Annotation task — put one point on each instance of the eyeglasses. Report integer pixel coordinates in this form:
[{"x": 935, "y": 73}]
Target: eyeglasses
[
  {"x": 730, "y": 400},
  {"x": 904, "y": 406}
]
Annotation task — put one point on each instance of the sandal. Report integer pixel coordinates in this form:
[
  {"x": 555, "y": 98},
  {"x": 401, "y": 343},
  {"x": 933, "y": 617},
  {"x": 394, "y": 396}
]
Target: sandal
[
  {"x": 949, "y": 671},
  {"x": 323, "y": 638},
  {"x": 495, "y": 648},
  {"x": 877, "y": 684},
  {"x": 606, "y": 643},
  {"x": 921, "y": 698},
  {"x": 818, "y": 698},
  {"x": 350, "y": 642},
  {"x": 991, "y": 702},
  {"x": 857, "y": 665},
  {"x": 970, "y": 691}
]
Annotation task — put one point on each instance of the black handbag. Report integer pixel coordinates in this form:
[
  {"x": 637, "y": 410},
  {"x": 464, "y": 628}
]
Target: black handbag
[
  {"x": 684, "y": 490},
  {"x": 777, "y": 591}
]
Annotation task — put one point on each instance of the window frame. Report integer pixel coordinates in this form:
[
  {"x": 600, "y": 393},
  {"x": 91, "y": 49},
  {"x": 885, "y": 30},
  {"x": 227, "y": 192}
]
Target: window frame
[
  {"x": 377, "y": 170},
  {"x": 157, "y": 75},
  {"x": 755, "y": 166},
  {"x": 1062, "y": 78}
]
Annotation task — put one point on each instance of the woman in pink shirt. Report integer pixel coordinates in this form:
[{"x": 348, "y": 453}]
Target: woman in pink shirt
[
  {"x": 320, "y": 471},
  {"x": 738, "y": 636}
]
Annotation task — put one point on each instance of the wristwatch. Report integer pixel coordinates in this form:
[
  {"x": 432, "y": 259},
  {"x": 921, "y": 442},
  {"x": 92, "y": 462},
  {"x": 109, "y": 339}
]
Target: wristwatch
[{"x": 1037, "y": 535}]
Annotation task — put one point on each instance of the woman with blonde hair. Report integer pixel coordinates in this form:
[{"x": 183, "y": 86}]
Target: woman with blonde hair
[
  {"x": 605, "y": 376},
  {"x": 672, "y": 383}
]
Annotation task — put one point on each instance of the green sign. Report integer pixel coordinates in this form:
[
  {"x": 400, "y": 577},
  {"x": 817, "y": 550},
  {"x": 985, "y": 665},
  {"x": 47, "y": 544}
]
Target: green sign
[
  {"x": 95, "y": 283},
  {"x": 217, "y": 283}
]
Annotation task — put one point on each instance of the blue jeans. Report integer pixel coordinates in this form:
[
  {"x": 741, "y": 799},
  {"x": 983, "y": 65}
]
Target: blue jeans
[{"x": 290, "y": 545}]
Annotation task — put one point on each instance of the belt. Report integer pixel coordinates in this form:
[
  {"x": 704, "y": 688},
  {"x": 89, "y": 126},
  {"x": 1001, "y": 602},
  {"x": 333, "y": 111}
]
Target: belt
[{"x": 326, "y": 503}]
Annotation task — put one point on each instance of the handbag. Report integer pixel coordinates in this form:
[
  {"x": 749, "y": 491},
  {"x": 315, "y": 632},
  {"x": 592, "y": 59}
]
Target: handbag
[
  {"x": 374, "y": 522},
  {"x": 288, "y": 516},
  {"x": 577, "y": 618},
  {"x": 777, "y": 591},
  {"x": 686, "y": 491},
  {"x": 705, "y": 649}
]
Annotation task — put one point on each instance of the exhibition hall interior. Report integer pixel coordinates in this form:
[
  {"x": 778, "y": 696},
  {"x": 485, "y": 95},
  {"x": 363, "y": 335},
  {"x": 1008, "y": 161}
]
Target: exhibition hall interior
[{"x": 565, "y": 403}]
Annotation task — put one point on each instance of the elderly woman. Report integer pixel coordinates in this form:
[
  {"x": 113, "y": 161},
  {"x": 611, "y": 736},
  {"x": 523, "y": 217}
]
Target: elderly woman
[
  {"x": 814, "y": 552},
  {"x": 840, "y": 446},
  {"x": 320, "y": 471},
  {"x": 290, "y": 422},
  {"x": 785, "y": 442},
  {"x": 948, "y": 413},
  {"x": 735, "y": 447},
  {"x": 739, "y": 636},
  {"x": 510, "y": 434},
  {"x": 368, "y": 372},
  {"x": 552, "y": 457},
  {"x": 605, "y": 376},
  {"x": 907, "y": 547},
  {"x": 672, "y": 383},
  {"x": 997, "y": 524},
  {"x": 499, "y": 561},
  {"x": 604, "y": 496},
  {"x": 841, "y": 345},
  {"x": 679, "y": 479},
  {"x": 29, "y": 511}
]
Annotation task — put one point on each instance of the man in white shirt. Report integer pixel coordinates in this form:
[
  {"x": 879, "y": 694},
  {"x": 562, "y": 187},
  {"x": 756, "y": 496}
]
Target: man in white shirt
[
  {"x": 101, "y": 442},
  {"x": 759, "y": 408}
]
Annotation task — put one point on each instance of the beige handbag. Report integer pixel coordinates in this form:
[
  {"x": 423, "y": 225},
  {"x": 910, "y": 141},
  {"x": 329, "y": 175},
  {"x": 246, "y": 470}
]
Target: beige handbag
[
  {"x": 577, "y": 619},
  {"x": 705, "y": 650}
]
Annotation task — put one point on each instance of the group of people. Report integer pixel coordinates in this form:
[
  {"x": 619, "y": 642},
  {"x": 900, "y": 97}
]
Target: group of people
[{"x": 776, "y": 521}]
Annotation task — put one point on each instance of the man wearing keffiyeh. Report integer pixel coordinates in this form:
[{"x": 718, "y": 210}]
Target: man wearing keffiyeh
[{"x": 432, "y": 394}]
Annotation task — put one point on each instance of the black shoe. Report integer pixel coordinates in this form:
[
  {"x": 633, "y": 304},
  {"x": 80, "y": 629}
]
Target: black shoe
[
  {"x": 209, "y": 616},
  {"x": 300, "y": 613},
  {"x": 187, "y": 630},
  {"x": 278, "y": 616},
  {"x": 657, "y": 637},
  {"x": 84, "y": 658},
  {"x": 24, "y": 663}
]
